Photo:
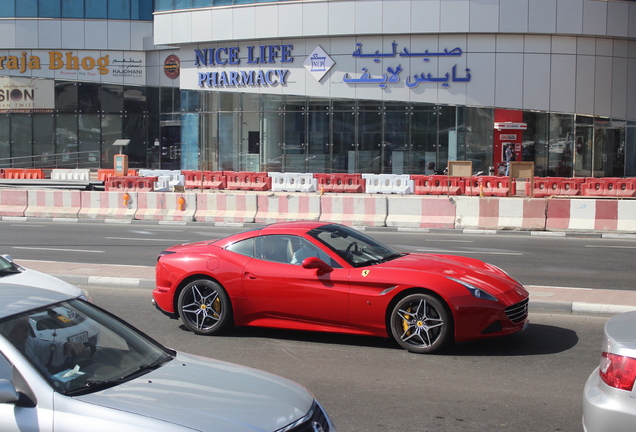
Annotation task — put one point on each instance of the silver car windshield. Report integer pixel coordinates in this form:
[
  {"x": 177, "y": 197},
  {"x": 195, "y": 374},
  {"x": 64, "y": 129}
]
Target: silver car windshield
[{"x": 79, "y": 348}]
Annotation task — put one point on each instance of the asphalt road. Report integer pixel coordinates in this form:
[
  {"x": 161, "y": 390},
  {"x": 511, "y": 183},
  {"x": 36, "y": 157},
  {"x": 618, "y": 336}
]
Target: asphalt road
[
  {"x": 579, "y": 262},
  {"x": 531, "y": 381}
]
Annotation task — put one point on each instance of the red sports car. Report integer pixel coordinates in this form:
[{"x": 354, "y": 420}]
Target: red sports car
[{"x": 333, "y": 278}]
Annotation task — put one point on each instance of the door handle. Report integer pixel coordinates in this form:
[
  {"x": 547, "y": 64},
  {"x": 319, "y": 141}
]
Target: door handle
[{"x": 250, "y": 275}]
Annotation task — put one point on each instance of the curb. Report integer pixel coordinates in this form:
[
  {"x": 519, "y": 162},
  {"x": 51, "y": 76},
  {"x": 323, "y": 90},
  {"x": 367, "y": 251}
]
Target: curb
[
  {"x": 108, "y": 281},
  {"x": 570, "y": 308}
]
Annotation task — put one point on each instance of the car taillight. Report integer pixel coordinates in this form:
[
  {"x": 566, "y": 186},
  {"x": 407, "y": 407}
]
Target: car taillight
[{"x": 618, "y": 371}]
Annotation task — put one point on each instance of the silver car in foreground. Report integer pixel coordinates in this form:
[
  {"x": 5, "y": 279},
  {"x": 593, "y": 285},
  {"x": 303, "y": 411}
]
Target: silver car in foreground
[
  {"x": 609, "y": 396},
  {"x": 129, "y": 382}
]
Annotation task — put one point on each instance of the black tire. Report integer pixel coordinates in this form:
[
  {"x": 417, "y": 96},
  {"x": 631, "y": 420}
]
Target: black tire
[
  {"x": 421, "y": 323},
  {"x": 204, "y": 307}
]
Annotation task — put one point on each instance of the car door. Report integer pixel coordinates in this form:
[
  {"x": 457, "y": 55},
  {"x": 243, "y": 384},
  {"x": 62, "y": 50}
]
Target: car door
[
  {"x": 22, "y": 417},
  {"x": 278, "y": 288}
]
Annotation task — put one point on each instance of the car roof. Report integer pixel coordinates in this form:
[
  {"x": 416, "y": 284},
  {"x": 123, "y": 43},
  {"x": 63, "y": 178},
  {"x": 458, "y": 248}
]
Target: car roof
[
  {"x": 294, "y": 227},
  {"x": 16, "y": 299}
]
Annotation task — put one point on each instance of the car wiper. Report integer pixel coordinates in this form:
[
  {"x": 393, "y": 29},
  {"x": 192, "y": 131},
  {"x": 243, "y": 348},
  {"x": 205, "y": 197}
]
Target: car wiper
[
  {"x": 9, "y": 271},
  {"x": 390, "y": 257},
  {"x": 95, "y": 385}
]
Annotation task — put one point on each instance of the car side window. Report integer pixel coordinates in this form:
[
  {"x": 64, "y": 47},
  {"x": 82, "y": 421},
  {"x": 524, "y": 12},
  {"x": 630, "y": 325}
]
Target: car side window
[
  {"x": 5, "y": 368},
  {"x": 243, "y": 247},
  {"x": 275, "y": 248}
]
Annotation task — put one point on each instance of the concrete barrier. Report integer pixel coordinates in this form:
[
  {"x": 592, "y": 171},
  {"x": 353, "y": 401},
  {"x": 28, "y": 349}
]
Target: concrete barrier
[
  {"x": 287, "y": 207},
  {"x": 421, "y": 212},
  {"x": 166, "y": 206},
  {"x": 53, "y": 203},
  {"x": 108, "y": 205},
  {"x": 234, "y": 208},
  {"x": 13, "y": 202},
  {"x": 500, "y": 213},
  {"x": 591, "y": 215},
  {"x": 361, "y": 210}
]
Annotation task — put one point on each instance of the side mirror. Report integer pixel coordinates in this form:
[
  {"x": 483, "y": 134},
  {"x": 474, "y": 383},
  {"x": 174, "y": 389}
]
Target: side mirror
[
  {"x": 8, "y": 393},
  {"x": 317, "y": 263}
]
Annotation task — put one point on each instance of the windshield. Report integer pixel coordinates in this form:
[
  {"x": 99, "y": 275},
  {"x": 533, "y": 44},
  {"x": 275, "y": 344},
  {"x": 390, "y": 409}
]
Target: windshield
[
  {"x": 353, "y": 246},
  {"x": 79, "y": 348},
  {"x": 7, "y": 267}
]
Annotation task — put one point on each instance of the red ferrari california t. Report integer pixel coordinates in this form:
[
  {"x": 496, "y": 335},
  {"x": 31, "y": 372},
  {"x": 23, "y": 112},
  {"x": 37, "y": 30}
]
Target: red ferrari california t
[{"x": 329, "y": 277}]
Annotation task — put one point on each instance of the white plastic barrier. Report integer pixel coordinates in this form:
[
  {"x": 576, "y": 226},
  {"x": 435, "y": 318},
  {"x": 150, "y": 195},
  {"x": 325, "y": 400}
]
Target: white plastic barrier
[
  {"x": 293, "y": 182},
  {"x": 389, "y": 183},
  {"x": 71, "y": 174},
  {"x": 166, "y": 180}
]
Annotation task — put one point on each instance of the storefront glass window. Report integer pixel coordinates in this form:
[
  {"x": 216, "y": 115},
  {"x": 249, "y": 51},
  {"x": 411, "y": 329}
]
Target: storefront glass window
[
  {"x": 43, "y": 139},
  {"x": 318, "y": 140},
  {"x": 134, "y": 128},
  {"x": 344, "y": 136},
  {"x": 476, "y": 145},
  {"x": 163, "y": 5},
  {"x": 370, "y": 156},
  {"x": 88, "y": 97},
  {"x": 5, "y": 139},
  {"x": 630, "y": 149},
  {"x": 21, "y": 138},
  {"x": 423, "y": 138},
  {"x": 534, "y": 142},
  {"x": 66, "y": 134},
  {"x": 560, "y": 148},
  {"x": 66, "y": 97},
  {"x": 112, "y": 98}
]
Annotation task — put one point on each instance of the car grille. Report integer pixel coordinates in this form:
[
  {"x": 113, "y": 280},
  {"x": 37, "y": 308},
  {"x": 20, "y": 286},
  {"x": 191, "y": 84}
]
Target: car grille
[
  {"x": 517, "y": 312},
  {"x": 315, "y": 420}
]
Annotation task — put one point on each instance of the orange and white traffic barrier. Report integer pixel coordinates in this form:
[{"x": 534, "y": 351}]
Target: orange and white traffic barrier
[
  {"x": 362, "y": 210},
  {"x": 421, "y": 212},
  {"x": 165, "y": 206},
  {"x": 287, "y": 207},
  {"x": 224, "y": 208},
  {"x": 108, "y": 205},
  {"x": 53, "y": 203},
  {"x": 13, "y": 203}
]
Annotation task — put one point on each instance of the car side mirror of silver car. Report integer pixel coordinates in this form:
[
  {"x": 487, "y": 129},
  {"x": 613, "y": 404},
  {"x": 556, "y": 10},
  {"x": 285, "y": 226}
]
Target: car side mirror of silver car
[
  {"x": 317, "y": 263},
  {"x": 8, "y": 393}
]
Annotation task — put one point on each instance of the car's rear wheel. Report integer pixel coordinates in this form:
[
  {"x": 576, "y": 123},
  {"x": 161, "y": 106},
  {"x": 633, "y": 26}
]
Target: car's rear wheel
[
  {"x": 421, "y": 323},
  {"x": 205, "y": 307}
]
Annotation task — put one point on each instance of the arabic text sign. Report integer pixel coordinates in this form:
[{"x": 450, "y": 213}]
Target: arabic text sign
[{"x": 411, "y": 81}]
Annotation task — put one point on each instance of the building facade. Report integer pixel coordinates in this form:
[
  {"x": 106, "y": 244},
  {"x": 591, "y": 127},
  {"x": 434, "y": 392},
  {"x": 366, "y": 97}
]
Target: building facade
[{"x": 334, "y": 86}]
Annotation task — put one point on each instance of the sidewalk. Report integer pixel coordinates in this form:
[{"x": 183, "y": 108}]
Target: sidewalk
[{"x": 542, "y": 299}]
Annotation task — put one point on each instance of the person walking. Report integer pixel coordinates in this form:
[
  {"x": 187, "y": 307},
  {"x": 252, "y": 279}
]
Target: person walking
[{"x": 509, "y": 155}]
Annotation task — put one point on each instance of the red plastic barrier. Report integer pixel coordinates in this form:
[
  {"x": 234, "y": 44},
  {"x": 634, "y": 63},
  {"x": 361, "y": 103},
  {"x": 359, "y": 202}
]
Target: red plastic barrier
[
  {"x": 608, "y": 186},
  {"x": 422, "y": 185},
  {"x": 439, "y": 185},
  {"x": 552, "y": 186},
  {"x": 1, "y": 173},
  {"x": 211, "y": 179},
  {"x": 16, "y": 173},
  {"x": 241, "y": 180},
  {"x": 500, "y": 186},
  {"x": 130, "y": 184},
  {"x": 353, "y": 183},
  {"x": 103, "y": 173}
]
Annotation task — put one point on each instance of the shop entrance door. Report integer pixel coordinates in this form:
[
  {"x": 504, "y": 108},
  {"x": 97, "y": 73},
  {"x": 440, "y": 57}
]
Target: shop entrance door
[{"x": 170, "y": 148}]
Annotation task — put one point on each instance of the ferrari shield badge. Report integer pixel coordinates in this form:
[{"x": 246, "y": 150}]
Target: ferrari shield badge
[{"x": 365, "y": 273}]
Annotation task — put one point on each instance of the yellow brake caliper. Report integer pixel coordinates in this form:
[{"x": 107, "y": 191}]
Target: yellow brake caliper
[
  {"x": 216, "y": 305},
  {"x": 405, "y": 323}
]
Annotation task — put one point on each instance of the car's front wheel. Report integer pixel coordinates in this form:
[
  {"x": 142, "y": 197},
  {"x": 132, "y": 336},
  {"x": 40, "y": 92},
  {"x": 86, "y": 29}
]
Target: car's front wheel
[
  {"x": 420, "y": 323},
  {"x": 205, "y": 307}
]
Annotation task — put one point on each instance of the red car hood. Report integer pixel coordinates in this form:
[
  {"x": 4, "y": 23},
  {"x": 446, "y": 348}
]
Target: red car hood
[{"x": 470, "y": 270}]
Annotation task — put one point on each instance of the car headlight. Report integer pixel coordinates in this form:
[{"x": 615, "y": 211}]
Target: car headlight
[{"x": 476, "y": 292}]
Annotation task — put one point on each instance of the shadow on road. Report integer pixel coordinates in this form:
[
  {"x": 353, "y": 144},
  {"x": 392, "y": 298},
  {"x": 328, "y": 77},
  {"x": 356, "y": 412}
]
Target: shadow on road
[{"x": 537, "y": 339}]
